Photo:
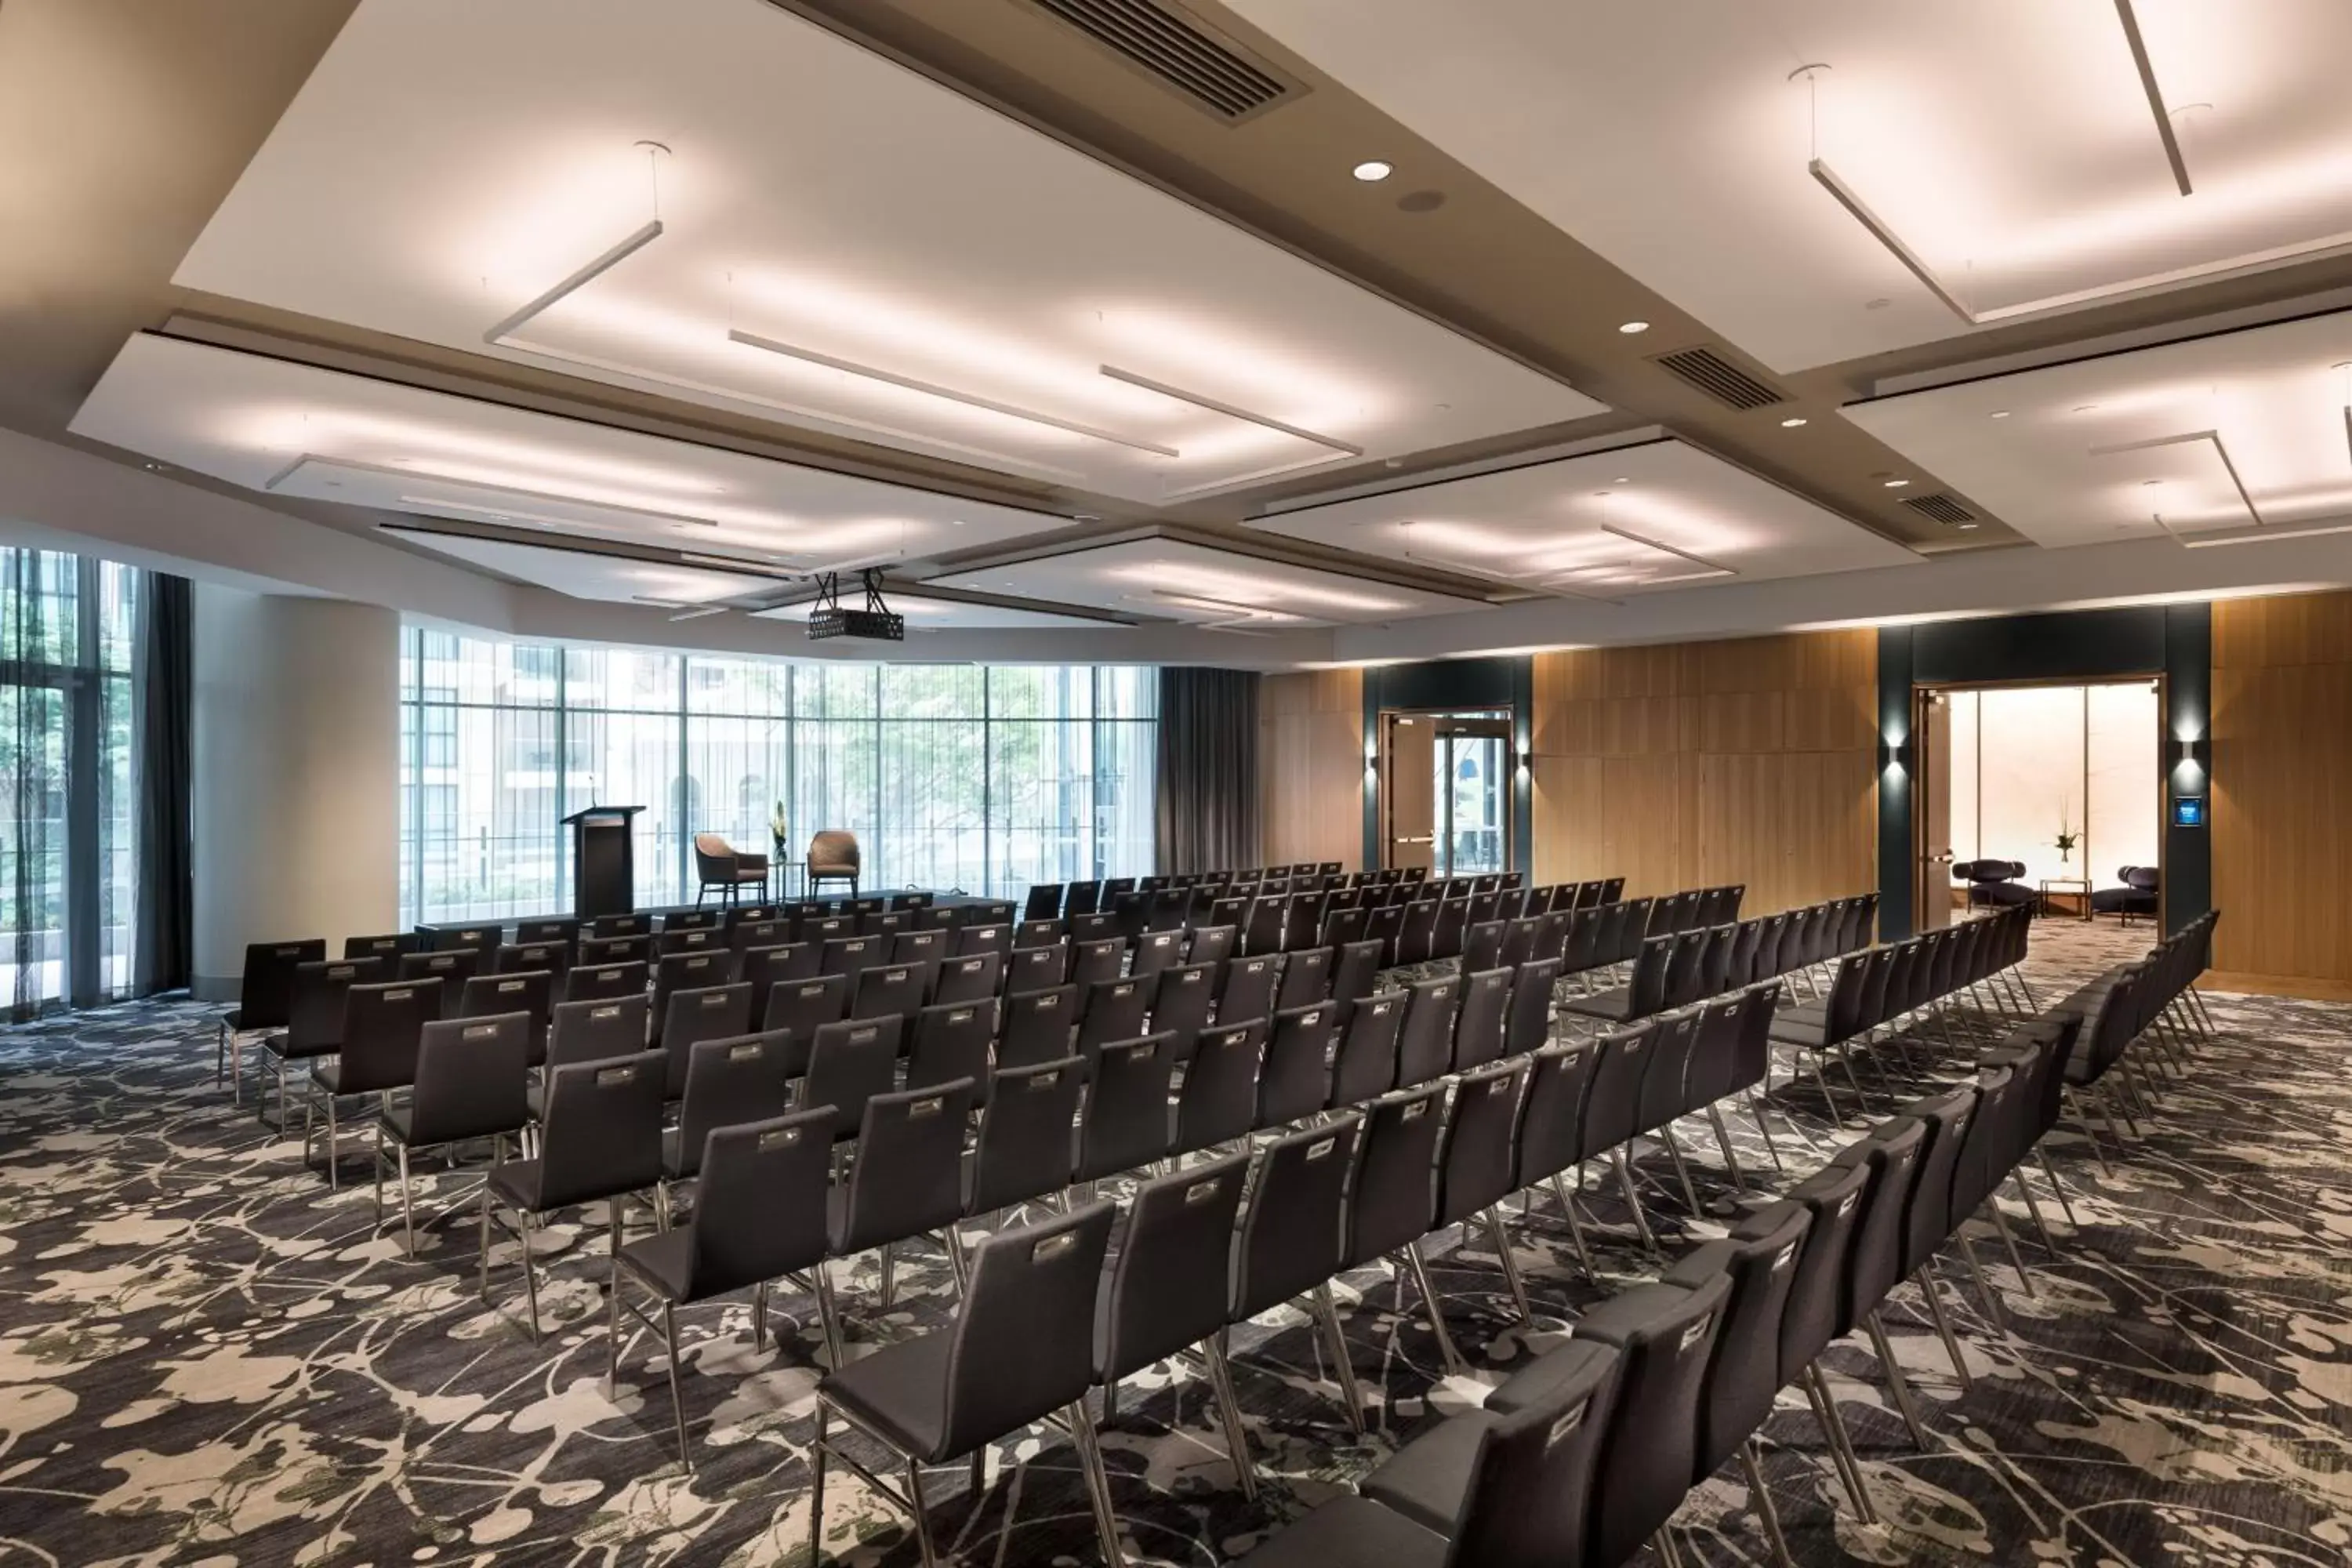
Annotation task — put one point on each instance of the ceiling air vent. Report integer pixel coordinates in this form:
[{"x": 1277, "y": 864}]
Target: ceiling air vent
[
  {"x": 1940, "y": 508},
  {"x": 1719, "y": 378},
  {"x": 1178, "y": 51}
]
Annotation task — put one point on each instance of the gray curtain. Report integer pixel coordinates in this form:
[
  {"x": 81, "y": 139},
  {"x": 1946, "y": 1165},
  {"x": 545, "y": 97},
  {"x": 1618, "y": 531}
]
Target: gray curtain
[
  {"x": 1207, "y": 805},
  {"x": 162, "y": 955}
]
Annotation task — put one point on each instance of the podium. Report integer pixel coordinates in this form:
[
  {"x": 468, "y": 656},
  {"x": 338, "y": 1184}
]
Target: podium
[{"x": 604, "y": 861}]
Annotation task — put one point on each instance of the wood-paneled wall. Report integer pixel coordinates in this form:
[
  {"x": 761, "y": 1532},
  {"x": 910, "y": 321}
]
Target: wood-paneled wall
[
  {"x": 1691, "y": 764},
  {"x": 2281, "y": 791},
  {"x": 1310, "y": 761}
]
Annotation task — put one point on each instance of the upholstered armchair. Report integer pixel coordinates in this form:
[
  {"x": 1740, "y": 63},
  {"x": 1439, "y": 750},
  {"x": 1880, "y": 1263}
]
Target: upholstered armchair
[
  {"x": 833, "y": 858},
  {"x": 2139, "y": 894},
  {"x": 1994, "y": 882},
  {"x": 718, "y": 865}
]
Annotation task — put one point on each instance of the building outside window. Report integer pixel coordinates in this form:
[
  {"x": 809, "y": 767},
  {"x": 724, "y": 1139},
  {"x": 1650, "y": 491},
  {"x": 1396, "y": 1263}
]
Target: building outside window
[{"x": 951, "y": 776}]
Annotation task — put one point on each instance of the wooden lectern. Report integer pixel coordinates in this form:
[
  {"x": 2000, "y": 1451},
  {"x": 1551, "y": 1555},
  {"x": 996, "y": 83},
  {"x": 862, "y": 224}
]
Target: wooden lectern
[{"x": 604, "y": 861}]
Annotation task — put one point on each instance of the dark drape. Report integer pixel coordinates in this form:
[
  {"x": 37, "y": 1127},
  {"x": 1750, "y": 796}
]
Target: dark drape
[
  {"x": 33, "y": 772},
  {"x": 162, "y": 955},
  {"x": 1208, "y": 806}
]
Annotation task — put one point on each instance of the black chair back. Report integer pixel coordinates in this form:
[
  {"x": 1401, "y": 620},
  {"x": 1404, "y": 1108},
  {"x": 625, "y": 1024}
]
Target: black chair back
[
  {"x": 1126, "y": 1124},
  {"x": 1478, "y": 1026},
  {"x": 805, "y": 1006},
  {"x": 593, "y": 1029},
  {"x": 709, "y": 1012},
  {"x": 1024, "y": 1342},
  {"x": 1112, "y": 1010},
  {"x": 1167, "y": 1289},
  {"x": 908, "y": 1178},
  {"x": 889, "y": 990},
  {"x": 1477, "y": 1165},
  {"x": 529, "y": 992},
  {"x": 1289, "y": 1240},
  {"x": 600, "y": 1136},
  {"x": 1531, "y": 1482},
  {"x": 1023, "y": 1150},
  {"x": 972, "y": 978},
  {"x": 1212, "y": 943},
  {"x": 1037, "y": 969},
  {"x": 381, "y": 1027},
  {"x": 1367, "y": 1063},
  {"x": 950, "y": 1042},
  {"x": 1039, "y": 1027},
  {"x": 389, "y": 948},
  {"x": 760, "y": 1204},
  {"x": 314, "y": 1015},
  {"x": 614, "y": 950},
  {"x": 1425, "y": 1048},
  {"x": 1743, "y": 1378},
  {"x": 731, "y": 1080},
  {"x": 1664, "y": 1337},
  {"x": 850, "y": 1062},
  {"x": 1219, "y": 1101},
  {"x": 1551, "y": 1116},
  {"x": 1393, "y": 1197},
  {"x": 1295, "y": 1082},
  {"x": 472, "y": 1080},
  {"x": 452, "y": 966},
  {"x": 1832, "y": 1197},
  {"x": 267, "y": 990}
]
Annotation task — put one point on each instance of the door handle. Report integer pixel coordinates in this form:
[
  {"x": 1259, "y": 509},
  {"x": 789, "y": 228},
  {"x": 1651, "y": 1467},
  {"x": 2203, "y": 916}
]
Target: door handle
[{"x": 1424, "y": 838}]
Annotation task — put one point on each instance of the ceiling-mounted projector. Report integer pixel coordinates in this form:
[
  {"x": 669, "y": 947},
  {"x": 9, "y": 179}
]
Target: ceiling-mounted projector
[{"x": 875, "y": 622}]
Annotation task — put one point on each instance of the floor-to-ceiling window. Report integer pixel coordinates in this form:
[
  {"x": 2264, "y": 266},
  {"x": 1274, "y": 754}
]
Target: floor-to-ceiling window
[
  {"x": 952, "y": 776},
  {"x": 68, "y": 801}
]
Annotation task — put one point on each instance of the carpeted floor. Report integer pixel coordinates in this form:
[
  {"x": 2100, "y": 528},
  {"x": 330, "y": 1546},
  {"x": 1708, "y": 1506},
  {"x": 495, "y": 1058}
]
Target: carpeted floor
[{"x": 206, "y": 1358}]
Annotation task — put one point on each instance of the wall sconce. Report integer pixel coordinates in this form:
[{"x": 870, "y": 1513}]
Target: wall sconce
[
  {"x": 1527, "y": 761},
  {"x": 1893, "y": 755},
  {"x": 2191, "y": 757}
]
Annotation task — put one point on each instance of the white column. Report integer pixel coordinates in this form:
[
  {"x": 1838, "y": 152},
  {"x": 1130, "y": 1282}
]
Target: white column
[{"x": 297, "y": 809}]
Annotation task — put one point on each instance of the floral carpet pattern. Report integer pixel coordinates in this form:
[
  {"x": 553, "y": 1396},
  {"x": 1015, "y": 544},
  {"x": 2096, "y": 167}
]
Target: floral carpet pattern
[{"x": 207, "y": 1357}]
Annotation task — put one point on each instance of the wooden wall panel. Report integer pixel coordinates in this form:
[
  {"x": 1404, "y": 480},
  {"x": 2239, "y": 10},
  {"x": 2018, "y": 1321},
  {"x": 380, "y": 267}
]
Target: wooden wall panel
[
  {"x": 1311, "y": 759},
  {"x": 2282, "y": 757},
  {"x": 1751, "y": 760}
]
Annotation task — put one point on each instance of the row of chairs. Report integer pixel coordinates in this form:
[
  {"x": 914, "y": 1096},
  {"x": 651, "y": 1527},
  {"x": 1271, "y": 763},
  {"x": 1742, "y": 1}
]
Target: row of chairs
[
  {"x": 1583, "y": 1457},
  {"x": 2154, "y": 999},
  {"x": 1883, "y": 987},
  {"x": 1688, "y": 966}
]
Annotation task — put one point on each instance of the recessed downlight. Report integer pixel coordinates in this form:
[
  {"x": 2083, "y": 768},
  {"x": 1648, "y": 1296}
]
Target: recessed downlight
[
  {"x": 1896, "y": 484},
  {"x": 1792, "y": 424},
  {"x": 1372, "y": 170},
  {"x": 2000, "y": 413},
  {"x": 1630, "y": 328}
]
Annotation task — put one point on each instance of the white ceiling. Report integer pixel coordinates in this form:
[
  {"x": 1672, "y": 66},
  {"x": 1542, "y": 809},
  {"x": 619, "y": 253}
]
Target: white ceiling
[
  {"x": 1545, "y": 525},
  {"x": 2009, "y": 142},
  {"x": 450, "y": 161},
  {"x": 1178, "y": 580},
  {"x": 2051, "y": 467},
  {"x": 925, "y": 614},
  {"x": 588, "y": 577},
  {"x": 292, "y": 429}
]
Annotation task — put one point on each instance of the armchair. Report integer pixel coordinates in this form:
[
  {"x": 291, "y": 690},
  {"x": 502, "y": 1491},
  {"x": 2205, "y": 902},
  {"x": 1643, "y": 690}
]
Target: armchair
[
  {"x": 718, "y": 865},
  {"x": 2137, "y": 896},
  {"x": 1994, "y": 882},
  {"x": 833, "y": 858}
]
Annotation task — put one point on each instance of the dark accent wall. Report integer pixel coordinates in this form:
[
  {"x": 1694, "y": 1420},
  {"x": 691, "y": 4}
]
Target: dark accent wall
[
  {"x": 2175, "y": 641},
  {"x": 1503, "y": 684}
]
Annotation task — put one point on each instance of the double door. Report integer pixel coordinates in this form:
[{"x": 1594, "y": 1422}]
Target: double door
[{"x": 1445, "y": 793}]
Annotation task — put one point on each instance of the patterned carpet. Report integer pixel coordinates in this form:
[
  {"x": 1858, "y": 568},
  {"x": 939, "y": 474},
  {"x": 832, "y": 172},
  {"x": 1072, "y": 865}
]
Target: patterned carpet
[{"x": 206, "y": 1358}]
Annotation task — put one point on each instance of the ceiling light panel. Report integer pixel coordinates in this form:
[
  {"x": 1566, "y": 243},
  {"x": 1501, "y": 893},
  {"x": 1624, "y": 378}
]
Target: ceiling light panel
[
  {"x": 957, "y": 288},
  {"x": 2008, "y": 145},
  {"x": 586, "y": 575},
  {"x": 297, "y": 431},
  {"x": 2238, "y": 429},
  {"x": 1660, "y": 515},
  {"x": 1178, "y": 580},
  {"x": 956, "y": 616}
]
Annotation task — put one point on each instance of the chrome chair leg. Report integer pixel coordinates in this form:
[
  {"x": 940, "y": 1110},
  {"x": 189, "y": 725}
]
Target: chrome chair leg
[
  {"x": 1984, "y": 1285},
  {"x": 1764, "y": 1508},
  {"x": 2033, "y": 1209},
  {"x": 1090, "y": 1459},
  {"x": 2056, "y": 1186},
  {"x": 1682, "y": 1170},
  {"x": 1723, "y": 1141},
  {"x": 1842, "y": 1454},
  {"x": 1895, "y": 1378},
  {"x": 1926, "y": 1281},
  {"x": 1343, "y": 1369},
  {"x": 1633, "y": 1201},
  {"x": 669, "y": 1348},
  {"x": 1229, "y": 1411},
  {"x": 1418, "y": 1265},
  {"x": 1575, "y": 1226},
  {"x": 1511, "y": 1267},
  {"x": 2001, "y": 1224}
]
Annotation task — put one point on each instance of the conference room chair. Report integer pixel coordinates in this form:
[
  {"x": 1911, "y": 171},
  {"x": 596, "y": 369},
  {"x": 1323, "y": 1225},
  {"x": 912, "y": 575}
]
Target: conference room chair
[
  {"x": 1819, "y": 1028},
  {"x": 1212, "y": 943},
  {"x": 1021, "y": 1349},
  {"x": 452, "y": 966},
  {"x": 764, "y": 968},
  {"x": 1112, "y": 1010},
  {"x": 1043, "y": 902},
  {"x": 1037, "y": 968},
  {"x": 1289, "y": 1244},
  {"x": 1247, "y": 990},
  {"x": 1355, "y": 973},
  {"x": 1023, "y": 1151},
  {"x": 1425, "y": 1045},
  {"x": 1832, "y": 1199},
  {"x": 530, "y": 993},
  {"x": 886, "y": 989},
  {"x": 1891, "y": 1153},
  {"x": 1164, "y": 1297},
  {"x": 1550, "y": 1139},
  {"x": 314, "y": 1019},
  {"x": 1306, "y": 978},
  {"x": 1944, "y": 1120},
  {"x": 562, "y": 930},
  {"x": 1126, "y": 1124},
  {"x": 1415, "y": 933},
  {"x": 1295, "y": 1079},
  {"x": 974, "y": 941},
  {"x": 972, "y": 978},
  {"x": 1097, "y": 958},
  {"x": 602, "y": 982},
  {"x": 1476, "y": 1165},
  {"x": 633, "y": 924},
  {"x": 1098, "y": 927},
  {"x": 693, "y": 970},
  {"x": 1039, "y": 1027},
  {"x": 483, "y": 939},
  {"x": 951, "y": 1040},
  {"x": 1482, "y": 946},
  {"x": 947, "y": 920},
  {"x": 1664, "y": 1337},
  {"x": 1218, "y": 1101},
  {"x": 1479, "y": 1490},
  {"x": 468, "y": 1085},
  {"x": 1527, "y": 1019},
  {"x": 805, "y": 1006},
  {"x": 1181, "y": 996},
  {"x": 728, "y": 1079},
  {"x": 749, "y": 914},
  {"x": 850, "y": 1062},
  {"x": 1366, "y": 1065},
  {"x": 1478, "y": 1023},
  {"x": 1742, "y": 1378},
  {"x": 520, "y": 957},
  {"x": 593, "y": 1029},
  {"x": 264, "y": 993},
  {"x": 389, "y": 947},
  {"x": 759, "y": 1216},
  {"x": 1664, "y": 1093},
  {"x": 1263, "y": 931},
  {"x": 1155, "y": 950},
  {"x": 1612, "y": 1110},
  {"x": 593, "y": 951},
  {"x": 886, "y": 924},
  {"x": 375, "y": 1053},
  {"x": 819, "y": 929},
  {"x": 847, "y": 955},
  {"x": 905, "y": 1179},
  {"x": 690, "y": 919},
  {"x": 600, "y": 1141},
  {"x": 1445, "y": 939},
  {"x": 752, "y": 936},
  {"x": 1393, "y": 1199},
  {"x": 703, "y": 1013}
]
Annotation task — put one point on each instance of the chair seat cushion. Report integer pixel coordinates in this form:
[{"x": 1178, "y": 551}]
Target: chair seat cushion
[
  {"x": 277, "y": 1044},
  {"x": 518, "y": 1182},
  {"x": 1351, "y": 1532},
  {"x": 1805, "y": 1026},
  {"x": 900, "y": 1391},
  {"x": 1612, "y": 1004},
  {"x": 1428, "y": 1480},
  {"x": 665, "y": 1261},
  {"x": 327, "y": 1072}
]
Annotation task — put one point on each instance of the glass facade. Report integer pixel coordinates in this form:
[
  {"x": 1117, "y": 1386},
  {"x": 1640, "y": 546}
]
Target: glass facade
[
  {"x": 68, "y": 802},
  {"x": 952, "y": 776}
]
